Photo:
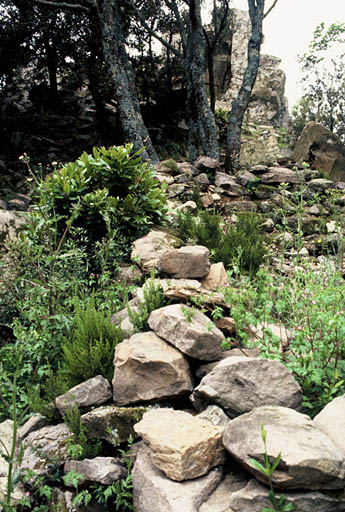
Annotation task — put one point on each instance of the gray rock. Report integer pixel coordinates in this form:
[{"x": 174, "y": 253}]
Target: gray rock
[
  {"x": 112, "y": 423},
  {"x": 44, "y": 447},
  {"x": 254, "y": 497},
  {"x": 104, "y": 470},
  {"x": 95, "y": 391},
  {"x": 214, "y": 415},
  {"x": 34, "y": 423},
  {"x": 238, "y": 384},
  {"x": 206, "y": 164},
  {"x": 148, "y": 249},
  {"x": 148, "y": 368},
  {"x": 219, "y": 499},
  {"x": 229, "y": 184},
  {"x": 320, "y": 184},
  {"x": 280, "y": 175},
  {"x": 189, "y": 330},
  {"x": 309, "y": 459},
  {"x": 154, "y": 492},
  {"x": 202, "y": 179},
  {"x": 188, "y": 262},
  {"x": 11, "y": 223}
]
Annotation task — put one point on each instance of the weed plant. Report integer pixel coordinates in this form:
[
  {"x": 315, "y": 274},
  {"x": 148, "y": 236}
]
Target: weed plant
[
  {"x": 241, "y": 244},
  {"x": 153, "y": 299},
  {"x": 309, "y": 310}
]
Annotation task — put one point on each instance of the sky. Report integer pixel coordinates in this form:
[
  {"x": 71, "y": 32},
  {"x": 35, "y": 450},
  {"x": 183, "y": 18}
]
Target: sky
[{"x": 288, "y": 30}]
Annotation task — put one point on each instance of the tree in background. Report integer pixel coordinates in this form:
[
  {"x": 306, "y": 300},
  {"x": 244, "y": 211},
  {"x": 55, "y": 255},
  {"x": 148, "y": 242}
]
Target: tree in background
[
  {"x": 241, "y": 102},
  {"x": 324, "y": 91}
]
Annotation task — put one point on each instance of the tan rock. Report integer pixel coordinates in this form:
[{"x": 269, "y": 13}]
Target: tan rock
[
  {"x": 154, "y": 492},
  {"x": 181, "y": 445},
  {"x": 6, "y": 435},
  {"x": 189, "y": 330},
  {"x": 148, "y": 368},
  {"x": 188, "y": 262},
  {"x": 216, "y": 278},
  {"x": 331, "y": 421}
]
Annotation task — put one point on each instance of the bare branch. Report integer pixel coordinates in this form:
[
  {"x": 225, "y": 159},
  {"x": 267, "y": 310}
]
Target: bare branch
[
  {"x": 270, "y": 9},
  {"x": 64, "y": 5},
  {"x": 152, "y": 32}
]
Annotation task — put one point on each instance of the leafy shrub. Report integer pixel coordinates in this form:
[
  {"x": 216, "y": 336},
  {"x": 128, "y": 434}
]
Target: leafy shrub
[
  {"x": 110, "y": 193},
  {"x": 239, "y": 245},
  {"x": 89, "y": 349}
]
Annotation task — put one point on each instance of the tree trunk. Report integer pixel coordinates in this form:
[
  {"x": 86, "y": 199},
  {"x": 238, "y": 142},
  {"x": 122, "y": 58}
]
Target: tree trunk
[
  {"x": 202, "y": 119},
  {"x": 120, "y": 70},
  {"x": 240, "y": 104}
]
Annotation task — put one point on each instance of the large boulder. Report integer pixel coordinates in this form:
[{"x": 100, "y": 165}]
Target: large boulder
[
  {"x": 309, "y": 459},
  {"x": 153, "y": 491},
  {"x": 181, "y": 445},
  {"x": 238, "y": 384},
  {"x": 322, "y": 149},
  {"x": 189, "y": 330},
  {"x": 94, "y": 391},
  {"x": 148, "y": 368}
]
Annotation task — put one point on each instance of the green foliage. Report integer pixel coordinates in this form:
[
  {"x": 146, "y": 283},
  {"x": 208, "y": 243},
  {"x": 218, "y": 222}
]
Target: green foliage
[
  {"x": 88, "y": 351},
  {"x": 316, "y": 347},
  {"x": 239, "y": 246},
  {"x": 324, "y": 98},
  {"x": 170, "y": 164},
  {"x": 268, "y": 469},
  {"x": 153, "y": 299},
  {"x": 112, "y": 191},
  {"x": 80, "y": 446}
]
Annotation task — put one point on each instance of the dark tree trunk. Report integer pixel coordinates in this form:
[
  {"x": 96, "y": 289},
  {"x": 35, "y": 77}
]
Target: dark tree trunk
[
  {"x": 121, "y": 73},
  {"x": 52, "y": 70},
  {"x": 240, "y": 104},
  {"x": 94, "y": 87},
  {"x": 202, "y": 119}
]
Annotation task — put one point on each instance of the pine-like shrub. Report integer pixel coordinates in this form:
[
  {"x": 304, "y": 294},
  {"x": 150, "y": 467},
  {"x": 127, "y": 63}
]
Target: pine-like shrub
[
  {"x": 89, "y": 350},
  {"x": 153, "y": 299}
]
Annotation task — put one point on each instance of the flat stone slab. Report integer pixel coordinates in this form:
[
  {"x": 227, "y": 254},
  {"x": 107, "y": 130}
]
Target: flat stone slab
[
  {"x": 181, "y": 445},
  {"x": 309, "y": 459}
]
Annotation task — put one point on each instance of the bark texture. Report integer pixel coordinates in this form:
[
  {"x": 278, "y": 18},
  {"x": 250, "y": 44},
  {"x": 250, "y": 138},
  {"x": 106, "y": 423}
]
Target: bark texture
[{"x": 240, "y": 104}]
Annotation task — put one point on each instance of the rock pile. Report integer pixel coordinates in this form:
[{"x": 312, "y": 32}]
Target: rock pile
[{"x": 198, "y": 459}]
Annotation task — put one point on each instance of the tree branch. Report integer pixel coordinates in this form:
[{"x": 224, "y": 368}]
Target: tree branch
[
  {"x": 152, "y": 32},
  {"x": 64, "y": 5},
  {"x": 270, "y": 9}
]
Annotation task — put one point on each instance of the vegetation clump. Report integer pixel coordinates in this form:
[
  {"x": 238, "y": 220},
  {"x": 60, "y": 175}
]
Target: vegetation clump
[{"x": 239, "y": 246}]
